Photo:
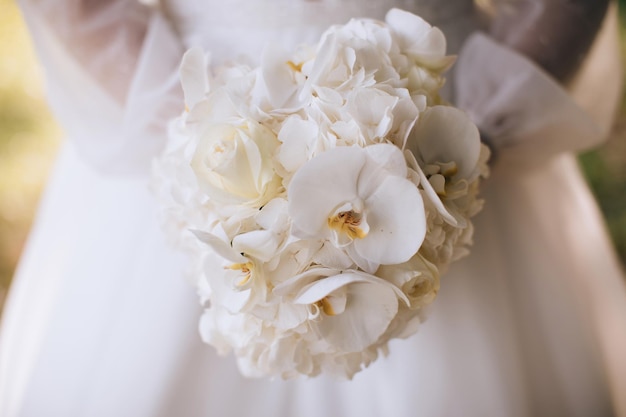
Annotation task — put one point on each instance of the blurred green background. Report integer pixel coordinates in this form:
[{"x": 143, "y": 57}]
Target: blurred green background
[{"x": 29, "y": 139}]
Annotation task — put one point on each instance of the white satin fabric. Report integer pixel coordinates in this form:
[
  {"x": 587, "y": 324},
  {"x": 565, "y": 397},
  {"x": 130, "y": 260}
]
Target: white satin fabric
[{"x": 100, "y": 322}]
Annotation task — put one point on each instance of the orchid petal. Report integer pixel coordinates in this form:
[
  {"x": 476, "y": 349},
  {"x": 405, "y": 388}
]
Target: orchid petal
[
  {"x": 220, "y": 280},
  {"x": 362, "y": 322},
  {"x": 311, "y": 200},
  {"x": 220, "y": 247},
  {"x": 430, "y": 191},
  {"x": 445, "y": 134},
  {"x": 259, "y": 244},
  {"x": 397, "y": 222},
  {"x": 299, "y": 281},
  {"x": 321, "y": 288},
  {"x": 273, "y": 215}
]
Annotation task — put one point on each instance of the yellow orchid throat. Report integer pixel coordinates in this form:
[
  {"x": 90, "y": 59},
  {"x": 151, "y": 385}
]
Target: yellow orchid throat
[
  {"x": 325, "y": 306},
  {"x": 246, "y": 270},
  {"x": 348, "y": 222},
  {"x": 295, "y": 67}
]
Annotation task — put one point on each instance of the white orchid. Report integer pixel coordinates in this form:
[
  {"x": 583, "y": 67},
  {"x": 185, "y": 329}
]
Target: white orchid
[
  {"x": 342, "y": 311},
  {"x": 237, "y": 281},
  {"x": 360, "y": 200},
  {"x": 445, "y": 151}
]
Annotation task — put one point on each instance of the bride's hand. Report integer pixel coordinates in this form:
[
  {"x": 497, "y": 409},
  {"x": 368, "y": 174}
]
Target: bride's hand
[{"x": 556, "y": 34}]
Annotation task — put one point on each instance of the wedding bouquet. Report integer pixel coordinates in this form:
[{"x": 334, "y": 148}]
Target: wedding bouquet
[{"x": 321, "y": 194}]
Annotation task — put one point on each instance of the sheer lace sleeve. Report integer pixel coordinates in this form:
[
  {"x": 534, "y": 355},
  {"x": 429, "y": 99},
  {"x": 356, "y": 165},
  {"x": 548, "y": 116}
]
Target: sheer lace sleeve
[{"x": 110, "y": 69}]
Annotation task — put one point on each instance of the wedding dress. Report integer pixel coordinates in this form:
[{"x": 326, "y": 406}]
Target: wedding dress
[{"x": 100, "y": 321}]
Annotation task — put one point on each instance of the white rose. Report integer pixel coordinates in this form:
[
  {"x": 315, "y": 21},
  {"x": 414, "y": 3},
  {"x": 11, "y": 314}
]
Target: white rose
[{"x": 234, "y": 163}]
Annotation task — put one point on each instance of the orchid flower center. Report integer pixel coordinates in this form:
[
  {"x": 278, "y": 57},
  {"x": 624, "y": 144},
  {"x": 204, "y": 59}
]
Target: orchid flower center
[
  {"x": 331, "y": 305},
  {"x": 295, "y": 67},
  {"x": 440, "y": 175},
  {"x": 419, "y": 289},
  {"x": 325, "y": 306},
  {"x": 246, "y": 272},
  {"x": 348, "y": 222}
]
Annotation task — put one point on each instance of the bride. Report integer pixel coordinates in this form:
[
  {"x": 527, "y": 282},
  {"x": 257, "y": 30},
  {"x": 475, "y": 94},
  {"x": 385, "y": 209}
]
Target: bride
[{"x": 99, "y": 321}]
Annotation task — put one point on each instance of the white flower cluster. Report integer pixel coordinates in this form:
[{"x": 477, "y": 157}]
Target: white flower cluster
[{"x": 321, "y": 194}]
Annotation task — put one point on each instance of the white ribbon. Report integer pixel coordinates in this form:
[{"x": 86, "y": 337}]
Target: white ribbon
[{"x": 522, "y": 111}]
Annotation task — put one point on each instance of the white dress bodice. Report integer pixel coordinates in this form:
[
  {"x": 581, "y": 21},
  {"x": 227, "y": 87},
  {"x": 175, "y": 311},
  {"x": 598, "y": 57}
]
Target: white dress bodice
[{"x": 242, "y": 27}]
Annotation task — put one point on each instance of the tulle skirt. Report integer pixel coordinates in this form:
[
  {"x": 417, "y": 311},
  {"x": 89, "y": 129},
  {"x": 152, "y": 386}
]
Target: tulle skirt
[{"x": 100, "y": 321}]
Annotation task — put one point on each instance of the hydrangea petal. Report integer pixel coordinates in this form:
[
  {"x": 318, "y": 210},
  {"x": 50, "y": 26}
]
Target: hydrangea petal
[
  {"x": 276, "y": 76},
  {"x": 296, "y": 134},
  {"x": 416, "y": 36},
  {"x": 389, "y": 157},
  {"x": 193, "y": 76}
]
